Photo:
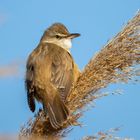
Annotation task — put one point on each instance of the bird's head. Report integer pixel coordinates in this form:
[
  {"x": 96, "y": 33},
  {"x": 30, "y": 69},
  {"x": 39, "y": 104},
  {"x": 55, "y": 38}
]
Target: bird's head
[{"x": 58, "y": 34}]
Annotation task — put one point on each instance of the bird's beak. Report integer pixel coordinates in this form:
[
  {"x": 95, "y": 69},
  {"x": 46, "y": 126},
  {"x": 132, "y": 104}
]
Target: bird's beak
[{"x": 73, "y": 35}]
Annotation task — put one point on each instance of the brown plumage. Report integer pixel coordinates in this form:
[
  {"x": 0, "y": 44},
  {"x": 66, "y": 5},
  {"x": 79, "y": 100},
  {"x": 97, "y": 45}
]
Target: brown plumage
[{"x": 50, "y": 74}]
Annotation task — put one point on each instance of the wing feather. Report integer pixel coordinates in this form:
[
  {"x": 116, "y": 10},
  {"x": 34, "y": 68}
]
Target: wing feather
[
  {"x": 29, "y": 85},
  {"x": 62, "y": 70}
]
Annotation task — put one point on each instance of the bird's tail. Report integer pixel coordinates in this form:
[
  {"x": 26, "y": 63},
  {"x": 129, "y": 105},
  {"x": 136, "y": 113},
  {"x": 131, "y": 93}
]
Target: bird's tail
[{"x": 57, "y": 112}]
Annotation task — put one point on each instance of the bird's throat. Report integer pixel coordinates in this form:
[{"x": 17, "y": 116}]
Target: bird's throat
[{"x": 63, "y": 43}]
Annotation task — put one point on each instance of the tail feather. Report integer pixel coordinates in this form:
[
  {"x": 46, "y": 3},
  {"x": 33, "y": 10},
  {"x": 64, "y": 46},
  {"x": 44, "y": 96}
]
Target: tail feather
[
  {"x": 57, "y": 112},
  {"x": 55, "y": 124}
]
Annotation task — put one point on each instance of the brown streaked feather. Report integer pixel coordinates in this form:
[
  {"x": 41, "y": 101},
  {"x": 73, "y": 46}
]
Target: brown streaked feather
[
  {"x": 30, "y": 87},
  {"x": 31, "y": 101},
  {"x": 57, "y": 111},
  {"x": 62, "y": 70}
]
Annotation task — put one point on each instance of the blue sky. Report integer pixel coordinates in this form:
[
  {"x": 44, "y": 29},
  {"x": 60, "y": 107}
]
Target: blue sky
[{"x": 22, "y": 23}]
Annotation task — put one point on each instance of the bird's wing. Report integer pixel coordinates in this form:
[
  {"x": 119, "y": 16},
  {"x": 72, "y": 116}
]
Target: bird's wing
[
  {"x": 29, "y": 83},
  {"x": 61, "y": 70}
]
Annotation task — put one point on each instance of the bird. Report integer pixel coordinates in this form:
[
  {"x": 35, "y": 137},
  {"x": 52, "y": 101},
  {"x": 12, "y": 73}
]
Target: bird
[{"x": 51, "y": 73}]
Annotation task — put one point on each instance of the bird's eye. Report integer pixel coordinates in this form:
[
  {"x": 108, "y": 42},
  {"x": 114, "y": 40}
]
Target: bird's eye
[{"x": 58, "y": 37}]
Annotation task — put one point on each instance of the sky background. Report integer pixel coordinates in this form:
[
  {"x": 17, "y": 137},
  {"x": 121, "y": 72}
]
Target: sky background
[{"x": 22, "y": 24}]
